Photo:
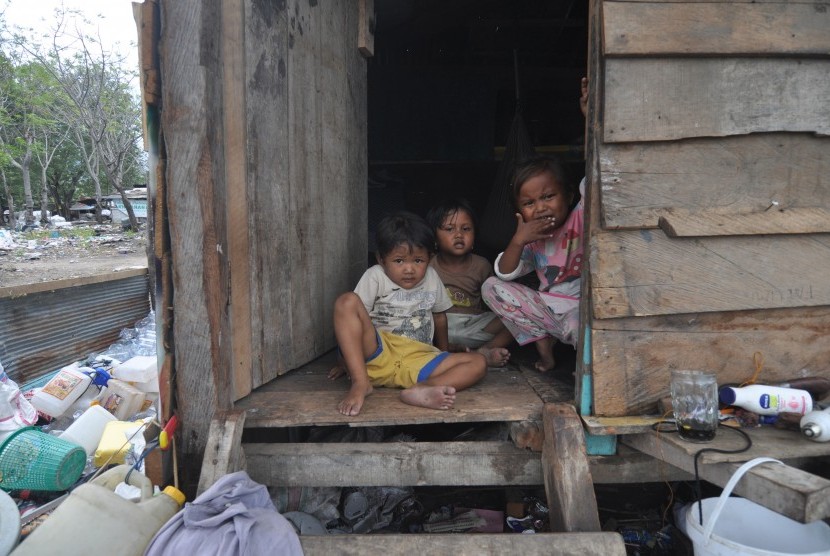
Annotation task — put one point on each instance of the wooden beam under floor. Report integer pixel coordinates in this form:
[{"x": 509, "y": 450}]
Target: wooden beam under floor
[
  {"x": 568, "y": 483},
  {"x": 561, "y": 544},
  {"x": 491, "y": 463}
]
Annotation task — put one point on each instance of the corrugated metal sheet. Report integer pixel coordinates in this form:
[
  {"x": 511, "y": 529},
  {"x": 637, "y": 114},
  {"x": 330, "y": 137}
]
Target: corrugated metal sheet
[{"x": 43, "y": 331}]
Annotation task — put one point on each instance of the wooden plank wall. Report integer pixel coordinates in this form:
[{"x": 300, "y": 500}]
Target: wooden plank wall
[
  {"x": 264, "y": 123},
  {"x": 710, "y": 228}
]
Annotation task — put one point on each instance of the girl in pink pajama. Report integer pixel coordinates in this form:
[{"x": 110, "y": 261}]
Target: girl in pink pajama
[{"x": 549, "y": 240}]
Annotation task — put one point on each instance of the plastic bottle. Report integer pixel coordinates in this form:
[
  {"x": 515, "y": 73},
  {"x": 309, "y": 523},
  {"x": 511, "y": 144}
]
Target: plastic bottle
[
  {"x": 121, "y": 399},
  {"x": 767, "y": 400},
  {"x": 816, "y": 425},
  {"x": 141, "y": 368},
  {"x": 61, "y": 391},
  {"x": 88, "y": 429},
  {"x": 95, "y": 520}
]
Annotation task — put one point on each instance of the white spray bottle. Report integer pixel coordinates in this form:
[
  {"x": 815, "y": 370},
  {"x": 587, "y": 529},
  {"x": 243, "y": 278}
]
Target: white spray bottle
[{"x": 816, "y": 425}]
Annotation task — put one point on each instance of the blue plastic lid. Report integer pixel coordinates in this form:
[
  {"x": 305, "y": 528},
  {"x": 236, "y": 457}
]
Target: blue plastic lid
[
  {"x": 100, "y": 377},
  {"x": 727, "y": 395}
]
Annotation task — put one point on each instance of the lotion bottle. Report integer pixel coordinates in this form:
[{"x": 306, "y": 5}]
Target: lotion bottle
[
  {"x": 816, "y": 425},
  {"x": 767, "y": 400}
]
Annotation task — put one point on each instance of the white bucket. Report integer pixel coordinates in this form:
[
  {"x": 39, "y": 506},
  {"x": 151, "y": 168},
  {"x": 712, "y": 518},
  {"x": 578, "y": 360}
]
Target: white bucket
[{"x": 740, "y": 526}]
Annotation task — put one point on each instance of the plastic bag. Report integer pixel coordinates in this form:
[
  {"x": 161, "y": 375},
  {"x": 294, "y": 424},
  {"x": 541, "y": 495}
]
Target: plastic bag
[{"x": 15, "y": 411}]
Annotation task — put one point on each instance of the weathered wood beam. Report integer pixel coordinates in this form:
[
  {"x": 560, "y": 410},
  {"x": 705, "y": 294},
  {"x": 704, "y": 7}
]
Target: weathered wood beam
[
  {"x": 720, "y": 342},
  {"x": 223, "y": 452},
  {"x": 727, "y": 175},
  {"x": 702, "y": 223},
  {"x": 644, "y": 272},
  {"x": 366, "y": 28},
  {"x": 561, "y": 544},
  {"x": 238, "y": 241},
  {"x": 432, "y": 463},
  {"x": 717, "y": 28},
  {"x": 792, "y": 492},
  {"x": 568, "y": 483},
  {"x": 737, "y": 96},
  {"x": 392, "y": 464}
]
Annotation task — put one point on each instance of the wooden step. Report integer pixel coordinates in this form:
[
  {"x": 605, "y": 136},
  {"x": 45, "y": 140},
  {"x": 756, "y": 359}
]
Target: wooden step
[
  {"x": 432, "y": 463},
  {"x": 475, "y": 544}
]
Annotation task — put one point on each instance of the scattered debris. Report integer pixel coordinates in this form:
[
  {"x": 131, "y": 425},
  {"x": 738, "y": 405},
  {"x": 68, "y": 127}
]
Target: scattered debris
[{"x": 75, "y": 250}]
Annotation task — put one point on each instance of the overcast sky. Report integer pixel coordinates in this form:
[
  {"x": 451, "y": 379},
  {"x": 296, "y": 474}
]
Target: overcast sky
[{"x": 116, "y": 25}]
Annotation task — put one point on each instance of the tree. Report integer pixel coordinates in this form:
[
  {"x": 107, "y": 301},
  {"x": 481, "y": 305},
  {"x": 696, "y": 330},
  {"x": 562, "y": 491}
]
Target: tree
[
  {"x": 66, "y": 177},
  {"x": 93, "y": 99},
  {"x": 9, "y": 197},
  {"x": 29, "y": 126},
  {"x": 107, "y": 116}
]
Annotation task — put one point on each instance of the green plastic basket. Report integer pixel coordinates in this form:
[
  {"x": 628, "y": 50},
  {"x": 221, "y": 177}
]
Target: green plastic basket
[{"x": 31, "y": 459}]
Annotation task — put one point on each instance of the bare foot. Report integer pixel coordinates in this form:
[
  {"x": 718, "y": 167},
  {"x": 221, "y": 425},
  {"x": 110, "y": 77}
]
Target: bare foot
[
  {"x": 496, "y": 357},
  {"x": 545, "y": 364},
  {"x": 353, "y": 402},
  {"x": 336, "y": 372},
  {"x": 433, "y": 397}
]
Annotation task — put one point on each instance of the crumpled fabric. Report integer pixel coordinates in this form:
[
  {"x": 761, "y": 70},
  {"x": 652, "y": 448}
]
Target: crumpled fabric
[{"x": 234, "y": 516}]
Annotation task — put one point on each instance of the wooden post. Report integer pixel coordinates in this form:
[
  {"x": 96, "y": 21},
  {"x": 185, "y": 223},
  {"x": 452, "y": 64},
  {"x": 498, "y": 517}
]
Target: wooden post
[
  {"x": 223, "y": 453},
  {"x": 366, "y": 28},
  {"x": 568, "y": 483}
]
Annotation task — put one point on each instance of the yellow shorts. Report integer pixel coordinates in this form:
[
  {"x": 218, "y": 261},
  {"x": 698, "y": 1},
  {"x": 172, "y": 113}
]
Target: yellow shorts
[{"x": 402, "y": 362}]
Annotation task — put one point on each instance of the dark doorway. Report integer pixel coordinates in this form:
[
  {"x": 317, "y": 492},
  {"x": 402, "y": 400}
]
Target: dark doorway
[{"x": 442, "y": 92}]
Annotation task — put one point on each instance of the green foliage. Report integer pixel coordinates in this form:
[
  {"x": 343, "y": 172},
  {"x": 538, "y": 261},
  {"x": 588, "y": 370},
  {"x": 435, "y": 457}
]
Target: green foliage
[
  {"x": 64, "y": 107},
  {"x": 82, "y": 233}
]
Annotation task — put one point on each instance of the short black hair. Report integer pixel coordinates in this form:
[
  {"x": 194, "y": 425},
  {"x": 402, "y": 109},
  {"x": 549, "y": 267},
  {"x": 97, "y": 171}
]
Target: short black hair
[
  {"x": 536, "y": 165},
  {"x": 438, "y": 213},
  {"x": 403, "y": 228}
]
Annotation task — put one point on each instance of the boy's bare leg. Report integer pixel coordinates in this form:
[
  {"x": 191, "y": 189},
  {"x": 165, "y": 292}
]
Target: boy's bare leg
[
  {"x": 457, "y": 372},
  {"x": 546, "y": 361},
  {"x": 357, "y": 340}
]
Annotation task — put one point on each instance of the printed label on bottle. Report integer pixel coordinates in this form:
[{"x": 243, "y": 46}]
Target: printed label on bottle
[
  {"x": 764, "y": 401},
  {"x": 112, "y": 402},
  {"x": 62, "y": 385}
]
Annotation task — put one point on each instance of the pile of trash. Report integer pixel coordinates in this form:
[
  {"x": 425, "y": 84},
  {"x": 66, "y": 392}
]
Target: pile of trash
[
  {"x": 65, "y": 240},
  {"x": 78, "y": 421}
]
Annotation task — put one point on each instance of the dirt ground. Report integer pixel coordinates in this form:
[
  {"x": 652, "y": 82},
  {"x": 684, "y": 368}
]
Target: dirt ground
[{"x": 45, "y": 255}]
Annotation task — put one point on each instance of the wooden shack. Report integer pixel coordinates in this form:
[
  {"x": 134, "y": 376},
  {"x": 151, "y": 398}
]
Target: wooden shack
[
  {"x": 708, "y": 201},
  {"x": 710, "y": 196}
]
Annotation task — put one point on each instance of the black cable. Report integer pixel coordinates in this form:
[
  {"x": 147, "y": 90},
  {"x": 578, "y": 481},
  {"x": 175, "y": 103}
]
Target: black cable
[
  {"x": 718, "y": 451},
  {"x": 671, "y": 427}
]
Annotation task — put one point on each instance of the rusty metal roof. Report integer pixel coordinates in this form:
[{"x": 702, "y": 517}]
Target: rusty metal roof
[{"x": 48, "y": 328}]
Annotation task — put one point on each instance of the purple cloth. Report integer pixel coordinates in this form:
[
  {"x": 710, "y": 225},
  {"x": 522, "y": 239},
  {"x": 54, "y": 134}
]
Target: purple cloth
[{"x": 234, "y": 516}]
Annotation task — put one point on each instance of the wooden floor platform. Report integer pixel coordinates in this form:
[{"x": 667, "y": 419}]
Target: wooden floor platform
[{"x": 306, "y": 397}]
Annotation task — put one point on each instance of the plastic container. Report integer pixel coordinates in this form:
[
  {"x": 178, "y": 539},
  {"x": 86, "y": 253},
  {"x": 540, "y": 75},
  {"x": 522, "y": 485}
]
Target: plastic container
[
  {"x": 95, "y": 520},
  {"x": 737, "y": 526},
  {"x": 115, "y": 442},
  {"x": 9, "y": 523},
  {"x": 141, "y": 368},
  {"x": 121, "y": 399},
  {"x": 31, "y": 459},
  {"x": 61, "y": 391},
  {"x": 816, "y": 425},
  {"x": 151, "y": 392},
  {"x": 88, "y": 429},
  {"x": 767, "y": 400}
]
